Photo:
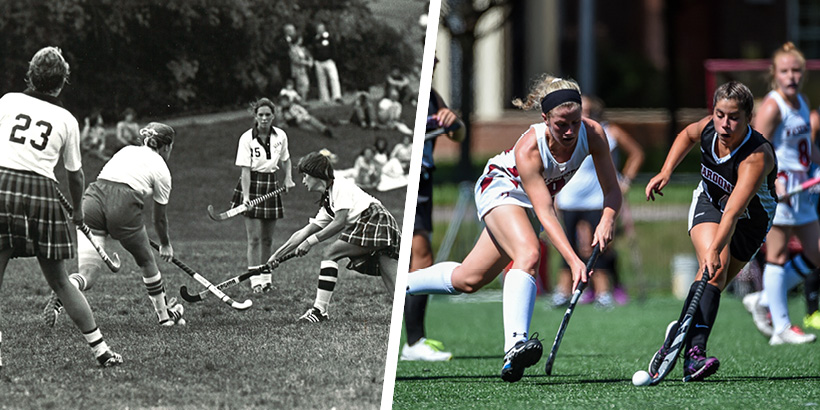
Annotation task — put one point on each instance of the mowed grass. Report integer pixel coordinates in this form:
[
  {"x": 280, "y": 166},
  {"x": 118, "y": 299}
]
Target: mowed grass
[
  {"x": 598, "y": 355},
  {"x": 259, "y": 358}
]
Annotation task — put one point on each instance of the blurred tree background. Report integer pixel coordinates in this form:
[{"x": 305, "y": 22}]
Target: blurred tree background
[{"x": 164, "y": 58}]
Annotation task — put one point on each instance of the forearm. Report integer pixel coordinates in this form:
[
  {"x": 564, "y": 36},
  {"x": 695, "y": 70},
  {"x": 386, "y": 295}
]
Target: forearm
[
  {"x": 245, "y": 183},
  {"x": 297, "y": 238},
  {"x": 161, "y": 224},
  {"x": 556, "y": 235},
  {"x": 286, "y": 166},
  {"x": 76, "y": 184}
]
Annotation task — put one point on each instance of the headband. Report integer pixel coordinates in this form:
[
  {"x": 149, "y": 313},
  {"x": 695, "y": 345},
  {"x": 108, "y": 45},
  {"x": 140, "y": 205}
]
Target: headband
[{"x": 559, "y": 97}]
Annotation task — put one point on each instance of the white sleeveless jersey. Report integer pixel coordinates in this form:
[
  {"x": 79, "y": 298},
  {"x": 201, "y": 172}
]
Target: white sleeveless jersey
[
  {"x": 792, "y": 137},
  {"x": 583, "y": 192},
  {"x": 500, "y": 184}
]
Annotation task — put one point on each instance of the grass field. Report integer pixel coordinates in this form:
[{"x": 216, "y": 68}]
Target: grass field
[
  {"x": 260, "y": 358},
  {"x": 598, "y": 355}
]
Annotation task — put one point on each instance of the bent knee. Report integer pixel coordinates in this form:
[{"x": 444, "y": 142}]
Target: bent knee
[{"x": 528, "y": 259}]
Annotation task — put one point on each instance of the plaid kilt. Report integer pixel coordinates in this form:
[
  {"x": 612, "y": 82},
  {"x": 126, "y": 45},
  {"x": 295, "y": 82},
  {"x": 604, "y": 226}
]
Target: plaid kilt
[
  {"x": 261, "y": 184},
  {"x": 32, "y": 220},
  {"x": 376, "y": 229}
]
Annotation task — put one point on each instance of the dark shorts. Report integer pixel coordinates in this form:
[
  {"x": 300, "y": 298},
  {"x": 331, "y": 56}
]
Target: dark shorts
[
  {"x": 424, "y": 203},
  {"x": 375, "y": 229},
  {"x": 32, "y": 220},
  {"x": 114, "y": 208},
  {"x": 593, "y": 217},
  {"x": 749, "y": 234},
  {"x": 261, "y": 184}
]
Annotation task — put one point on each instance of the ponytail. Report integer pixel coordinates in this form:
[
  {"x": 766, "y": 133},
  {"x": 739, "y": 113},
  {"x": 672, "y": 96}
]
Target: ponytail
[{"x": 156, "y": 135}]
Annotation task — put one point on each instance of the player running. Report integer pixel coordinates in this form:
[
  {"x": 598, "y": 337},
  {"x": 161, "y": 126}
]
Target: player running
[
  {"x": 516, "y": 182},
  {"x": 113, "y": 207},
  {"x": 731, "y": 212},
  {"x": 32, "y": 221},
  {"x": 369, "y": 235}
]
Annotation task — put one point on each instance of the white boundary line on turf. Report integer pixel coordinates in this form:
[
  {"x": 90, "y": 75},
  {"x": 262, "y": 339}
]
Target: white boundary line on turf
[{"x": 425, "y": 79}]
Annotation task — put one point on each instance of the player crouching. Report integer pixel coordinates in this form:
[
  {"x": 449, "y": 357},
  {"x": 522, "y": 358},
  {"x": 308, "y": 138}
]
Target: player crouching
[{"x": 369, "y": 234}]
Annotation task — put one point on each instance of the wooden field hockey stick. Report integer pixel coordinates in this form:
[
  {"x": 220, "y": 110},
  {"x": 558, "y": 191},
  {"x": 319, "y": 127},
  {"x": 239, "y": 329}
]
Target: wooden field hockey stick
[
  {"x": 800, "y": 188},
  {"x": 571, "y": 308},
  {"x": 243, "y": 207},
  {"x": 113, "y": 263},
  {"x": 205, "y": 282},
  {"x": 183, "y": 291}
]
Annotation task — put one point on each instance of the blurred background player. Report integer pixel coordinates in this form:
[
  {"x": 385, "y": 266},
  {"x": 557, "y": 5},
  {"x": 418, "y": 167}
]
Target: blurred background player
[
  {"x": 783, "y": 119},
  {"x": 92, "y": 138},
  {"x": 113, "y": 206},
  {"x": 261, "y": 151},
  {"x": 581, "y": 204},
  {"x": 128, "y": 131},
  {"x": 32, "y": 220},
  {"x": 323, "y": 47}
]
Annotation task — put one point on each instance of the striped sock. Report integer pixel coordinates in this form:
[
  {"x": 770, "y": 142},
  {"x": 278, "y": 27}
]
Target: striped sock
[
  {"x": 95, "y": 340},
  {"x": 156, "y": 292},
  {"x": 78, "y": 280},
  {"x": 327, "y": 282}
]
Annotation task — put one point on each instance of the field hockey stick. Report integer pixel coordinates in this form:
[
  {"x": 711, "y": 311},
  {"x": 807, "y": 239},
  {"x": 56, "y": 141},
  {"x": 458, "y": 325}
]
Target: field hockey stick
[
  {"x": 661, "y": 365},
  {"x": 205, "y": 282},
  {"x": 800, "y": 188},
  {"x": 243, "y": 207},
  {"x": 113, "y": 263},
  {"x": 571, "y": 308},
  {"x": 188, "y": 297}
]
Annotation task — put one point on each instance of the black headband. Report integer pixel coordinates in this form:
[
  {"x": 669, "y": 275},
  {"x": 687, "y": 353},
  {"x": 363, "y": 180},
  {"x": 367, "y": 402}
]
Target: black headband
[{"x": 559, "y": 97}]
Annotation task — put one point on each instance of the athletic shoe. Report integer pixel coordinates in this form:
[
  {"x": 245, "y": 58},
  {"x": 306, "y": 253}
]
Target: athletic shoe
[
  {"x": 52, "y": 310},
  {"x": 263, "y": 288},
  {"x": 524, "y": 354},
  {"x": 559, "y": 300},
  {"x": 604, "y": 301},
  {"x": 760, "y": 314},
  {"x": 812, "y": 321},
  {"x": 587, "y": 297},
  {"x": 657, "y": 359},
  {"x": 620, "y": 295},
  {"x": 314, "y": 315},
  {"x": 109, "y": 359},
  {"x": 793, "y": 336},
  {"x": 425, "y": 350},
  {"x": 175, "y": 311},
  {"x": 696, "y": 366}
]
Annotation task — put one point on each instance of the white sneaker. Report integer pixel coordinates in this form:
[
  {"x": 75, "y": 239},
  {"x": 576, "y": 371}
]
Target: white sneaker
[
  {"x": 793, "y": 336},
  {"x": 424, "y": 350},
  {"x": 175, "y": 312},
  {"x": 760, "y": 314}
]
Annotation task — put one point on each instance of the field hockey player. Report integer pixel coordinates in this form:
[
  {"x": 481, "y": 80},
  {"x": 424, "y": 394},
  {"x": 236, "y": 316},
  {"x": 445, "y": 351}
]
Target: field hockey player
[
  {"x": 369, "y": 235},
  {"x": 32, "y": 220},
  {"x": 113, "y": 209}
]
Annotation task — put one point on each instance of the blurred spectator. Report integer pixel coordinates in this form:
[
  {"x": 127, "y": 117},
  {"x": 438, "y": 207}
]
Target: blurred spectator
[
  {"x": 389, "y": 113},
  {"x": 403, "y": 153},
  {"x": 92, "y": 138},
  {"x": 128, "y": 131},
  {"x": 364, "y": 115},
  {"x": 367, "y": 170},
  {"x": 300, "y": 62},
  {"x": 399, "y": 82},
  {"x": 323, "y": 48},
  {"x": 296, "y": 115},
  {"x": 382, "y": 151},
  {"x": 290, "y": 92}
]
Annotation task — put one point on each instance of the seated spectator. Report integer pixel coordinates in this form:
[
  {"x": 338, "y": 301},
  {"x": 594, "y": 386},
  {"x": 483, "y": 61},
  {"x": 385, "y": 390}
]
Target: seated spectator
[
  {"x": 290, "y": 92},
  {"x": 382, "y": 153},
  {"x": 364, "y": 115},
  {"x": 396, "y": 80},
  {"x": 403, "y": 153},
  {"x": 389, "y": 114},
  {"x": 367, "y": 170},
  {"x": 128, "y": 131},
  {"x": 92, "y": 138},
  {"x": 295, "y": 115}
]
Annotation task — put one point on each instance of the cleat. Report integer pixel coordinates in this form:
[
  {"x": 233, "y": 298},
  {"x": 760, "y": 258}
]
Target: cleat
[
  {"x": 109, "y": 359},
  {"x": 793, "y": 336},
  {"x": 760, "y": 314},
  {"x": 52, "y": 310},
  {"x": 425, "y": 350},
  {"x": 559, "y": 300},
  {"x": 524, "y": 354},
  {"x": 696, "y": 366},
  {"x": 604, "y": 301},
  {"x": 175, "y": 312},
  {"x": 620, "y": 295},
  {"x": 314, "y": 315},
  {"x": 257, "y": 289},
  {"x": 812, "y": 321}
]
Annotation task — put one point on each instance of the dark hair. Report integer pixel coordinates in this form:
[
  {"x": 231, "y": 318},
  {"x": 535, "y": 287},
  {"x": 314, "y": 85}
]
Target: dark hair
[
  {"x": 316, "y": 165},
  {"x": 129, "y": 111},
  {"x": 263, "y": 102},
  {"x": 47, "y": 71},
  {"x": 738, "y": 92},
  {"x": 380, "y": 140},
  {"x": 157, "y": 135}
]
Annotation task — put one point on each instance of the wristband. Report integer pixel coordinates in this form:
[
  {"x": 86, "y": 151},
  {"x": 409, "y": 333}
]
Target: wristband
[{"x": 312, "y": 240}]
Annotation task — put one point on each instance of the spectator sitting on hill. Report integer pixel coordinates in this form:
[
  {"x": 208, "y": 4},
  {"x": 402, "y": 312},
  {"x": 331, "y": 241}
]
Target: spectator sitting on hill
[
  {"x": 382, "y": 152},
  {"x": 396, "y": 80},
  {"x": 290, "y": 92},
  {"x": 389, "y": 114},
  {"x": 92, "y": 138},
  {"x": 364, "y": 115},
  {"x": 128, "y": 131},
  {"x": 295, "y": 115},
  {"x": 403, "y": 153},
  {"x": 368, "y": 171}
]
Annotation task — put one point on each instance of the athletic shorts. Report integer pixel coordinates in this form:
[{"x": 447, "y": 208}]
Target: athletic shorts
[
  {"x": 496, "y": 188},
  {"x": 424, "y": 202},
  {"x": 374, "y": 229},
  {"x": 113, "y": 208},
  {"x": 261, "y": 184},
  {"x": 32, "y": 220},
  {"x": 749, "y": 234},
  {"x": 591, "y": 217},
  {"x": 800, "y": 209}
]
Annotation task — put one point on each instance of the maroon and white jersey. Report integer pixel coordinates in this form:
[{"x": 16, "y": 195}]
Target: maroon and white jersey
[{"x": 500, "y": 184}]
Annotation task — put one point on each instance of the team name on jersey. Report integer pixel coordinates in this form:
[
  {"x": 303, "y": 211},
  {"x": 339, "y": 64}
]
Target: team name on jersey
[
  {"x": 555, "y": 185},
  {"x": 716, "y": 179},
  {"x": 802, "y": 129}
]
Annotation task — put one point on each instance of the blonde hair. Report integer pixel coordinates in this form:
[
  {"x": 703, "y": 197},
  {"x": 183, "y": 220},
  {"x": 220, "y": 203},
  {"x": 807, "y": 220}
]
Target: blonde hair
[
  {"x": 787, "y": 47},
  {"x": 544, "y": 85}
]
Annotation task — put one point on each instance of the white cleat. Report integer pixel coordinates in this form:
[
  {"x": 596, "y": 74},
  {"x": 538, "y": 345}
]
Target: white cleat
[
  {"x": 426, "y": 351},
  {"x": 760, "y": 314},
  {"x": 792, "y": 336}
]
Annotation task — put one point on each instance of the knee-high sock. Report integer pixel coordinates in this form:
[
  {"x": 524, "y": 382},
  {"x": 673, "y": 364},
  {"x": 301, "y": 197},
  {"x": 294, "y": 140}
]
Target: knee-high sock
[
  {"x": 156, "y": 292},
  {"x": 811, "y": 287},
  {"x": 809, "y": 275},
  {"x": 776, "y": 283},
  {"x": 415, "y": 307},
  {"x": 436, "y": 279},
  {"x": 705, "y": 316},
  {"x": 518, "y": 301},
  {"x": 328, "y": 275},
  {"x": 96, "y": 342},
  {"x": 79, "y": 281}
]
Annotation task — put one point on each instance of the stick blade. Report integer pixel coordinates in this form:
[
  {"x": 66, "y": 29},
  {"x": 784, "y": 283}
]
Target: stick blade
[
  {"x": 183, "y": 292},
  {"x": 213, "y": 215},
  {"x": 242, "y": 305},
  {"x": 115, "y": 264}
]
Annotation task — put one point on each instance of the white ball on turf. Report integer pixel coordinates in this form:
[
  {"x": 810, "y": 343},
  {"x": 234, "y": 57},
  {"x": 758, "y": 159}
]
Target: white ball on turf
[{"x": 641, "y": 378}]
